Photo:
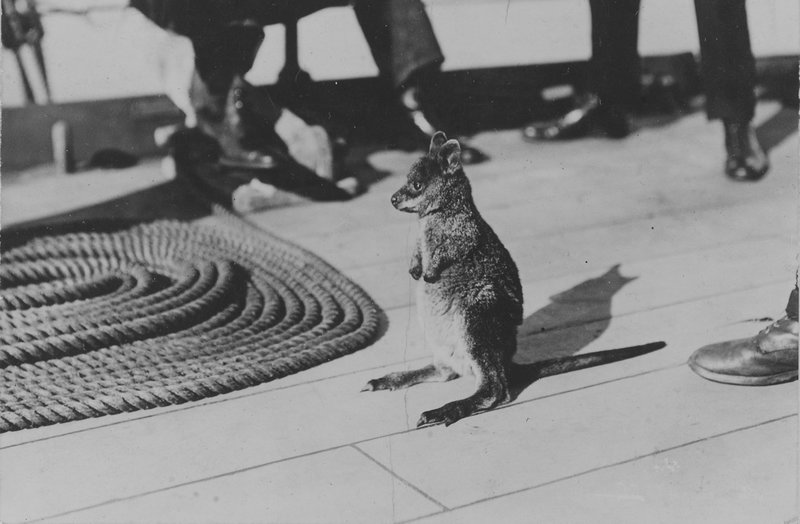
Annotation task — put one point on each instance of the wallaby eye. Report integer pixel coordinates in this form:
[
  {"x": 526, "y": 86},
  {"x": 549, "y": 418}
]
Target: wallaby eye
[{"x": 416, "y": 186}]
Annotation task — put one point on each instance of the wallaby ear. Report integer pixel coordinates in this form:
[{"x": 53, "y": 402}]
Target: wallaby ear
[
  {"x": 438, "y": 139},
  {"x": 450, "y": 155}
]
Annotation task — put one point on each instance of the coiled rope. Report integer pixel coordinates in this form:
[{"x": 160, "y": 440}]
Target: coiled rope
[{"x": 164, "y": 313}]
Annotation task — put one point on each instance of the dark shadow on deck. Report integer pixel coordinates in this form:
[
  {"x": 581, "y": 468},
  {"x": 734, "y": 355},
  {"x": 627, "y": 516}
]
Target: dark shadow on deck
[
  {"x": 550, "y": 338},
  {"x": 170, "y": 200},
  {"x": 777, "y": 128}
]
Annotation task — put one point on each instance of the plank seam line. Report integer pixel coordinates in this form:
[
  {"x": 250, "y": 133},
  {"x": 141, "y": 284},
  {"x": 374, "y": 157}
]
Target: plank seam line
[
  {"x": 220, "y": 400},
  {"x": 613, "y": 222},
  {"x": 615, "y": 464},
  {"x": 398, "y": 477},
  {"x": 331, "y": 448},
  {"x": 754, "y": 238},
  {"x": 602, "y": 225},
  {"x": 212, "y": 401},
  {"x": 640, "y": 259},
  {"x": 533, "y": 283}
]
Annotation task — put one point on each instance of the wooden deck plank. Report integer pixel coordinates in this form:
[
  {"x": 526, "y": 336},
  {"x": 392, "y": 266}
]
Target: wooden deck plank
[
  {"x": 341, "y": 483},
  {"x": 345, "y": 244},
  {"x": 725, "y": 316},
  {"x": 51, "y": 476},
  {"x": 658, "y": 279},
  {"x": 636, "y": 237},
  {"x": 719, "y": 254},
  {"x": 658, "y": 283},
  {"x": 742, "y": 477},
  {"x": 573, "y": 181},
  {"x": 566, "y": 435},
  {"x": 41, "y": 192},
  {"x": 523, "y": 225}
]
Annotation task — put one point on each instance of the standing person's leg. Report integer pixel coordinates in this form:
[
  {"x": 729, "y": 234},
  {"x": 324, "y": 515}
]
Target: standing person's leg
[
  {"x": 401, "y": 39},
  {"x": 729, "y": 77},
  {"x": 408, "y": 56},
  {"x": 250, "y": 128},
  {"x": 615, "y": 68},
  {"x": 224, "y": 38},
  {"x": 614, "y": 76}
]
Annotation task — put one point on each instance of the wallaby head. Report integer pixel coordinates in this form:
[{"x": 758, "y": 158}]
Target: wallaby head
[{"x": 436, "y": 181}]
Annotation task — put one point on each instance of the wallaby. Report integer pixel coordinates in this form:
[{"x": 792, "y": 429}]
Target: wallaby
[{"x": 469, "y": 296}]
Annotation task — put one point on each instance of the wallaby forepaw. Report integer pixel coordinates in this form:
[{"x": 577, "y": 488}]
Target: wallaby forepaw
[{"x": 430, "y": 278}]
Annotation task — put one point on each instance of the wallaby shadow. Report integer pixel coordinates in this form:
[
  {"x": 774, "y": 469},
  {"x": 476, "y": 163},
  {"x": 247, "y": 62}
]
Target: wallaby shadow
[
  {"x": 550, "y": 338},
  {"x": 777, "y": 128}
]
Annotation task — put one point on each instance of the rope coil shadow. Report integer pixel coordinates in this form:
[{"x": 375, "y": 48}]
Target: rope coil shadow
[{"x": 164, "y": 313}]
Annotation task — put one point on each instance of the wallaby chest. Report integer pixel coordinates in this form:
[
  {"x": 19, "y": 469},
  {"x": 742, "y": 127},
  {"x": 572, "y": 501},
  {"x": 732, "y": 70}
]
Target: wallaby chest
[{"x": 438, "y": 306}]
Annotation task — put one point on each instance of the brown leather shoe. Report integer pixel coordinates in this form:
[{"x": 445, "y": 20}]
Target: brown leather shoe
[{"x": 768, "y": 358}]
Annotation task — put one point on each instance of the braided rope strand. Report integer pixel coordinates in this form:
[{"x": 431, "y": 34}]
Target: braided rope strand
[{"x": 93, "y": 324}]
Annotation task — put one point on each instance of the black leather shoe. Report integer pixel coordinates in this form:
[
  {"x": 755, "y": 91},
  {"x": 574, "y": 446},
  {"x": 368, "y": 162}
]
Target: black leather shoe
[
  {"x": 410, "y": 100},
  {"x": 768, "y": 358},
  {"x": 589, "y": 114},
  {"x": 746, "y": 160},
  {"x": 425, "y": 126}
]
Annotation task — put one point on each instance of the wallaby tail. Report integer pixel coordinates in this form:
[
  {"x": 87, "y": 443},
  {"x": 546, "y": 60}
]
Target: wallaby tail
[{"x": 557, "y": 366}]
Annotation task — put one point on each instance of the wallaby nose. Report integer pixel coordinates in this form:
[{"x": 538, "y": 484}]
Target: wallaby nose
[{"x": 395, "y": 200}]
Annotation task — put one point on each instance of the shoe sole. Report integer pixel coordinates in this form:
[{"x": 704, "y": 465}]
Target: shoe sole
[
  {"x": 751, "y": 177},
  {"x": 739, "y": 380}
]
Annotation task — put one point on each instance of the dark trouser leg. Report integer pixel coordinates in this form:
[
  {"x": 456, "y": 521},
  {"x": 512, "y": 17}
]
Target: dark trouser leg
[
  {"x": 728, "y": 66},
  {"x": 222, "y": 54},
  {"x": 398, "y": 32},
  {"x": 791, "y": 306},
  {"x": 225, "y": 34},
  {"x": 728, "y": 70},
  {"x": 400, "y": 37},
  {"x": 614, "y": 77},
  {"x": 615, "y": 68}
]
